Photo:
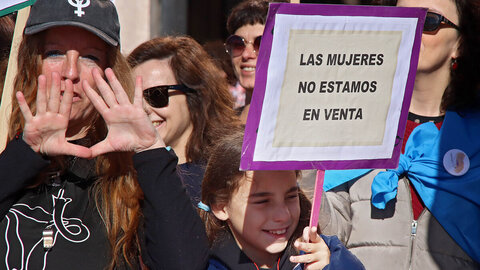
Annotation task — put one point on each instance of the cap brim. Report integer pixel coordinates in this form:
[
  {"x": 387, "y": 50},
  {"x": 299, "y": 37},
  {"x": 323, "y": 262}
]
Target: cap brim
[{"x": 44, "y": 26}]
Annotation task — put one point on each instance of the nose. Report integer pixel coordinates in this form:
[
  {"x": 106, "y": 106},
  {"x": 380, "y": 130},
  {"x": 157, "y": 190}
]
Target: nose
[
  {"x": 281, "y": 213},
  {"x": 249, "y": 51},
  {"x": 70, "y": 67}
]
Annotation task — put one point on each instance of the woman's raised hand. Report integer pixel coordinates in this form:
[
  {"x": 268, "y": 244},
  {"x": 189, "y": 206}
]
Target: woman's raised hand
[
  {"x": 45, "y": 131},
  {"x": 129, "y": 128},
  {"x": 317, "y": 252}
]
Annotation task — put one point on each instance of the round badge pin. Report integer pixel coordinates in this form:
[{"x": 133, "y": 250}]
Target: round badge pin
[{"x": 456, "y": 162}]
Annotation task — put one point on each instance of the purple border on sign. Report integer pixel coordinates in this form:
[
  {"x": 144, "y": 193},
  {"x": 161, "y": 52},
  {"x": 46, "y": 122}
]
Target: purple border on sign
[{"x": 253, "y": 120}]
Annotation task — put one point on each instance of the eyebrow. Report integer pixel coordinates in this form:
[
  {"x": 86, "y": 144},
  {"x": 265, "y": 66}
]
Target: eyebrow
[
  {"x": 265, "y": 194},
  {"x": 95, "y": 48}
]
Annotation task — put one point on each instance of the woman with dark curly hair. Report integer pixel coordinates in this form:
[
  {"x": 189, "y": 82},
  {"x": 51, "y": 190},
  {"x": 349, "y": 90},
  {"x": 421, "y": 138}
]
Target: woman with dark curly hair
[
  {"x": 245, "y": 24},
  {"x": 187, "y": 100},
  {"x": 420, "y": 215}
]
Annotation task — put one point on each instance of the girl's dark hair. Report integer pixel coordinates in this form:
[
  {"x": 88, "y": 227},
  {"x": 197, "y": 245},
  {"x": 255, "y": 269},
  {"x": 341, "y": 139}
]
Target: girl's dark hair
[
  {"x": 210, "y": 106},
  {"x": 464, "y": 89},
  {"x": 249, "y": 12},
  {"x": 223, "y": 177}
]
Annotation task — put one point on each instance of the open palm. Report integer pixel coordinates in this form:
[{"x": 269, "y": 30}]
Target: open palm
[
  {"x": 129, "y": 128},
  {"x": 45, "y": 131}
]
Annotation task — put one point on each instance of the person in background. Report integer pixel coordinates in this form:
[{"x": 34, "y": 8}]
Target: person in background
[
  {"x": 259, "y": 219},
  {"x": 216, "y": 49},
  {"x": 187, "y": 100},
  {"x": 87, "y": 182},
  {"x": 245, "y": 24},
  {"x": 419, "y": 216}
]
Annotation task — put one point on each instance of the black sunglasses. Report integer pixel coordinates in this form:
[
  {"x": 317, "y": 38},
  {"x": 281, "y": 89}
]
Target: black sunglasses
[
  {"x": 235, "y": 45},
  {"x": 157, "y": 96},
  {"x": 433, "y": 21}
]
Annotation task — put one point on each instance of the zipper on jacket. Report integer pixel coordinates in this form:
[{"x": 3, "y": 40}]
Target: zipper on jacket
[
  {"x": 413, "y": 229},
  {"x": 413, "y": 234},
  {"x": 414, "y": 225}
]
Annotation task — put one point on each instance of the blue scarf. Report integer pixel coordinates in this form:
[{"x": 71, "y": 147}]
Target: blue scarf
[
  {"x": 453, "y": 200},
  {"x": 334, "y": 178}
]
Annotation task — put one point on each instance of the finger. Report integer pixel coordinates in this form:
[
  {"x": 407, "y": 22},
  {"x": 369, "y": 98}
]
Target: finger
[
  {"x": 41, "y": 102},
  {"x": 104, "y": 88},
  {"x": 314, "y": 236},
  {"x": 96, "y": 100},
  {"x": 120, "y": 94},
  {"x": 66, "y": 103},
  {"x": 306, "y": 247},
  {"x": 22, "y": 103},
  {"x": 77, "y": 150},
  {"x": 54, "y": 93},
  {"x": 306, "y": 234},
  {"x": 306, "y": 258},
  {"x": 100, "y": 148},
  {"x": 138, "y": 97}
]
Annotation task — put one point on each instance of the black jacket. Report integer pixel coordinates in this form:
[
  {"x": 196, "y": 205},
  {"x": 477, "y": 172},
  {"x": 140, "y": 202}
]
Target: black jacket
[
  {"x": 226, "y": 255},
  {"x": 172, "y": 236}
]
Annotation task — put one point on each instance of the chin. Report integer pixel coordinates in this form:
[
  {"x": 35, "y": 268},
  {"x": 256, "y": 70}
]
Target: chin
[
  {"x": 247, "y": 83},
  {"x": 277, "y": 247}
]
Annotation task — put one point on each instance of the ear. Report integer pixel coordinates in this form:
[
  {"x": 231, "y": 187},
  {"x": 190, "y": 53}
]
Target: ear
[
  {"x": 220, "y": 211},
  {"x": 455, "y": 49}
]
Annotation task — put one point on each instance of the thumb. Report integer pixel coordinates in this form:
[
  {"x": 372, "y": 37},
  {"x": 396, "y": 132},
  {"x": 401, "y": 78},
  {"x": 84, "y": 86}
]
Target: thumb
[
  {"x": 314, "y": 236},
  {"x": 99, "y": 149},
  {"x": 78, "y": 150}
]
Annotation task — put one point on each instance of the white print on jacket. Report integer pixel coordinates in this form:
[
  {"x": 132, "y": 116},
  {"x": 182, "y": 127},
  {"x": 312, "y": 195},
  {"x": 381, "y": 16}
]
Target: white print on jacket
[{"x": 71, "y": 229}]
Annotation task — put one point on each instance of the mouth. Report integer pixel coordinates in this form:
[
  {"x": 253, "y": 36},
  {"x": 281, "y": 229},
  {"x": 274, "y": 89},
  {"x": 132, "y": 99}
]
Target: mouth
[
  {"x": 157, "y": 123},
  {"x": 277, "y": 233},
  {"x": 248, "y": 69}
]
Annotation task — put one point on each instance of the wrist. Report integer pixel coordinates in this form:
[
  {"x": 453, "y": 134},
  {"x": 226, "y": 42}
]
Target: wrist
[{"x": 159, "y": 143}]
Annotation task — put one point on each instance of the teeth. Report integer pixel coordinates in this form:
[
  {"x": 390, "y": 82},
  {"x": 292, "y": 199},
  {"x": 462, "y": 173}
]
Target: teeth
[
  {"x": 248, "y": 68},
  {"x": 278, "y": 231},
  {"x": 156, "y": 123}
]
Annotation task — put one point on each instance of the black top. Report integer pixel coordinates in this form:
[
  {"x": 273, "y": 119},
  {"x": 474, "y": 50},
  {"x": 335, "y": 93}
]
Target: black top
[
  {"x": 226, "y": 255},
  {"x": 173, "y": 235},
  {"x": 424, "y": 119},
  {"x": 192, "y": 176}
]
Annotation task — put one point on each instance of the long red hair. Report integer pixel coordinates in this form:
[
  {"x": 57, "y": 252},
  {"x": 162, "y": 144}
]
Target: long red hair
[{"x": 117, "y": 193}]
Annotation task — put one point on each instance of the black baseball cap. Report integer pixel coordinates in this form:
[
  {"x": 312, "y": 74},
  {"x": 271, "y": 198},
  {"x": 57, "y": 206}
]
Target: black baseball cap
[{"x": 97, "y": 16}]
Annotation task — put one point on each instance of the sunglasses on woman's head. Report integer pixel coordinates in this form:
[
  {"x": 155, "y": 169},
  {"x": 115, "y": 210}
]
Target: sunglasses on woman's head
[
  {"x": 157, "y": 96},
  {"x": 433, "y": 21},
  {"x": 235, "y": 45}
]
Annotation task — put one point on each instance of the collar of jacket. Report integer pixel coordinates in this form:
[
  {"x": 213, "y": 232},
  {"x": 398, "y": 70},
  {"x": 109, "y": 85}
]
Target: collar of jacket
[{"x": 226, "y": 250}]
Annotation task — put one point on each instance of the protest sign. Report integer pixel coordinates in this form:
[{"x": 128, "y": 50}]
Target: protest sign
[
  {"x": 6, "y": 106},
  {"x": 9, "y": 6},
  {"x": 333, "y": 87}
]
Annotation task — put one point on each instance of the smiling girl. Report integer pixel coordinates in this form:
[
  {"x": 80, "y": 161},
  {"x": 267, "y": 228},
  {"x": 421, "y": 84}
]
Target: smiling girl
[{"x": 255, "y": 219}]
